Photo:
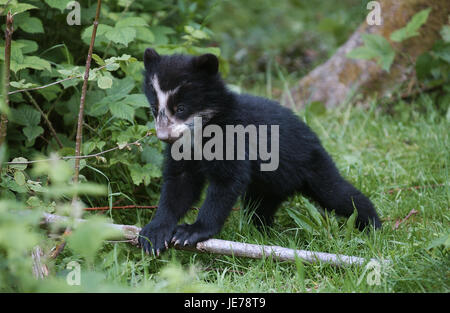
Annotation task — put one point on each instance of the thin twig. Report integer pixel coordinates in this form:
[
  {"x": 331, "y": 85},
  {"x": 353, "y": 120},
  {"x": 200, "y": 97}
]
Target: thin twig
[
  {"x": 239, "y": 249},
  {"x": 398, "y": 222},
  {"x": 49, "y": 124},
  {"x": 81, "y": 156},
  {"x": 54, "y": 83},
  {"x": 83, "y": 96}
]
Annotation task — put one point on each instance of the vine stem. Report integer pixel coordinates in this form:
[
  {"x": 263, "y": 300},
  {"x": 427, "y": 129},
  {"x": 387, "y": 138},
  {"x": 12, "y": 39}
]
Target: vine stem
[
  {"x": 49, "y": 124},
  {"x": 7, "y": 74},
  {"x": 83, "y": 96}
]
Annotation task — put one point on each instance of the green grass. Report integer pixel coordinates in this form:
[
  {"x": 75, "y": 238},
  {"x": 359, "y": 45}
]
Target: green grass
[{"x": 382, "y": 154}]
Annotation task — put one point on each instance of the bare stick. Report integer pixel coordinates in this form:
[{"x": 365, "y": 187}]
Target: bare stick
[
  {"x": 8, "y": 35},
  {"x": 218, "y": 246},
  {"x": 40, "y": 270},
  {"x": 83, "y": 95}
]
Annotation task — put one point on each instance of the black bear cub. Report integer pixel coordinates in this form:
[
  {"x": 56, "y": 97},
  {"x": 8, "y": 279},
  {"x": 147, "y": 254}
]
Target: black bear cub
[{"x": 289, "y": 158}]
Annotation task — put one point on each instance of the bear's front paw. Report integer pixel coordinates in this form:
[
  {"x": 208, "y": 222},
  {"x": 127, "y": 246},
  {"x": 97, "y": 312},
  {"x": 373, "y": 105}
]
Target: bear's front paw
[
  {"x": 155, "y": 237},
  {"x": 190, "y": 235}
]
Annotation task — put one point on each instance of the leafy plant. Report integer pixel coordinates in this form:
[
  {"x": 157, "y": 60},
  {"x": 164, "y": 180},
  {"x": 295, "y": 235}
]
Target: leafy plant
[
  {"x": 377, "y": 47},
  {"x": 47, "y": 69}
]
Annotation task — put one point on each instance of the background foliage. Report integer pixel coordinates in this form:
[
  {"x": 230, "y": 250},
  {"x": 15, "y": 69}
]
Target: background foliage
[{"x": 262, "y": 45}]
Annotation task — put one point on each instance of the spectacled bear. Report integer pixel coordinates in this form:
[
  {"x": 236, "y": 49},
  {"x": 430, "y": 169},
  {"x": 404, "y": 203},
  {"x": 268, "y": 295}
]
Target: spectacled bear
[{"x": 181, "y": 88}]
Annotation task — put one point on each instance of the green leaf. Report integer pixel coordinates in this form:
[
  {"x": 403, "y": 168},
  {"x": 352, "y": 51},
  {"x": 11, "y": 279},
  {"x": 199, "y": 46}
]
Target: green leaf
[
  {"x": 19, "y": 177},
  {"x": 121, "y": 110},
  {"x": 16, "y": 58},
  {"x": 105, "y": 82},
  {"x": 58, "y": 4},
  {"x": 32, "y": 132},
  {"x": 28, "y": 24},
  {"x": 88, "y": 237},
  {"x": 161, "y": 34},
  {"x": 375, "y": 46},
  {"x": 112, "y": 67},
  {"x": 306, "y": 224},
  {"x": 137, "y": 174},
  {"x": 143, "y": 174},
  {"x": 102, "y": 29},
  {"x": 196, "y": 33},
  {"x": 27, "y": 46},
  {"x": 121, "y": 87},
  {"x": 50, "y": 93},
  {"x": 25, "y": 115},
  {"x": 20, "y": 7},
  {"x": 313, "y": 212},
  {"x": 350, "y": 226},
  {"x": 151, "y": 155},
  {"x": 123, "y": 35},
  {"x": 145, "y": 34},
  {"x": 98, "y": 59},
  {"x": 88, "y": 147},
  {"x": 19, "y": 167},
  {"x": 97, "y": 109},
  {"x": 424, "y": 64},
  {"x": 22, "y": 84},
  {"x": 411, "y": 29},
  {"x": 36, "y": 186},
  {"x": 363, "y": 53},
  {"x": 131, "y": 22},
  {"x": 36, "y": 63},
  {"x": 137, "y": 100}
]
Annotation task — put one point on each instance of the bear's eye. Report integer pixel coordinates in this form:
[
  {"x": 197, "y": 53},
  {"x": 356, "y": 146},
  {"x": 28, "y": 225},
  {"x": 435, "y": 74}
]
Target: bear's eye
[{"x": 180, "y": 108}]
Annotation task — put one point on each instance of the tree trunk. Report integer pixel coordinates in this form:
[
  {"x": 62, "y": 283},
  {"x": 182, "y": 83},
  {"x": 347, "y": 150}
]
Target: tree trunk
[{"x": 335, "y": 81}]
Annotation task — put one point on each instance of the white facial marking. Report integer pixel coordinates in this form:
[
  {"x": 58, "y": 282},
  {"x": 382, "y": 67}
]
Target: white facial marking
[{"x": 163, "y": 96}]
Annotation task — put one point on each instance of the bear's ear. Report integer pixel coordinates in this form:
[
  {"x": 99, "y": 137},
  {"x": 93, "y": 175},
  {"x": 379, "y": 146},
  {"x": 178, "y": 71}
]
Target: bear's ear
[
  {"x": 151, "y": 57},
  {"x": 207, "y": 62}
]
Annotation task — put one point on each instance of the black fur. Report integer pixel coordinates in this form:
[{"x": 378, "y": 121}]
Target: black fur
[{"x": 304, "y": 165}]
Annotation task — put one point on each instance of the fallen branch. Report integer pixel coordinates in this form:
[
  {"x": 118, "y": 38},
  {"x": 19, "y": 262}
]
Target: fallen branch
[
  {"x": 225, "y": 247},
  {"x": 40, "y": 270}
]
